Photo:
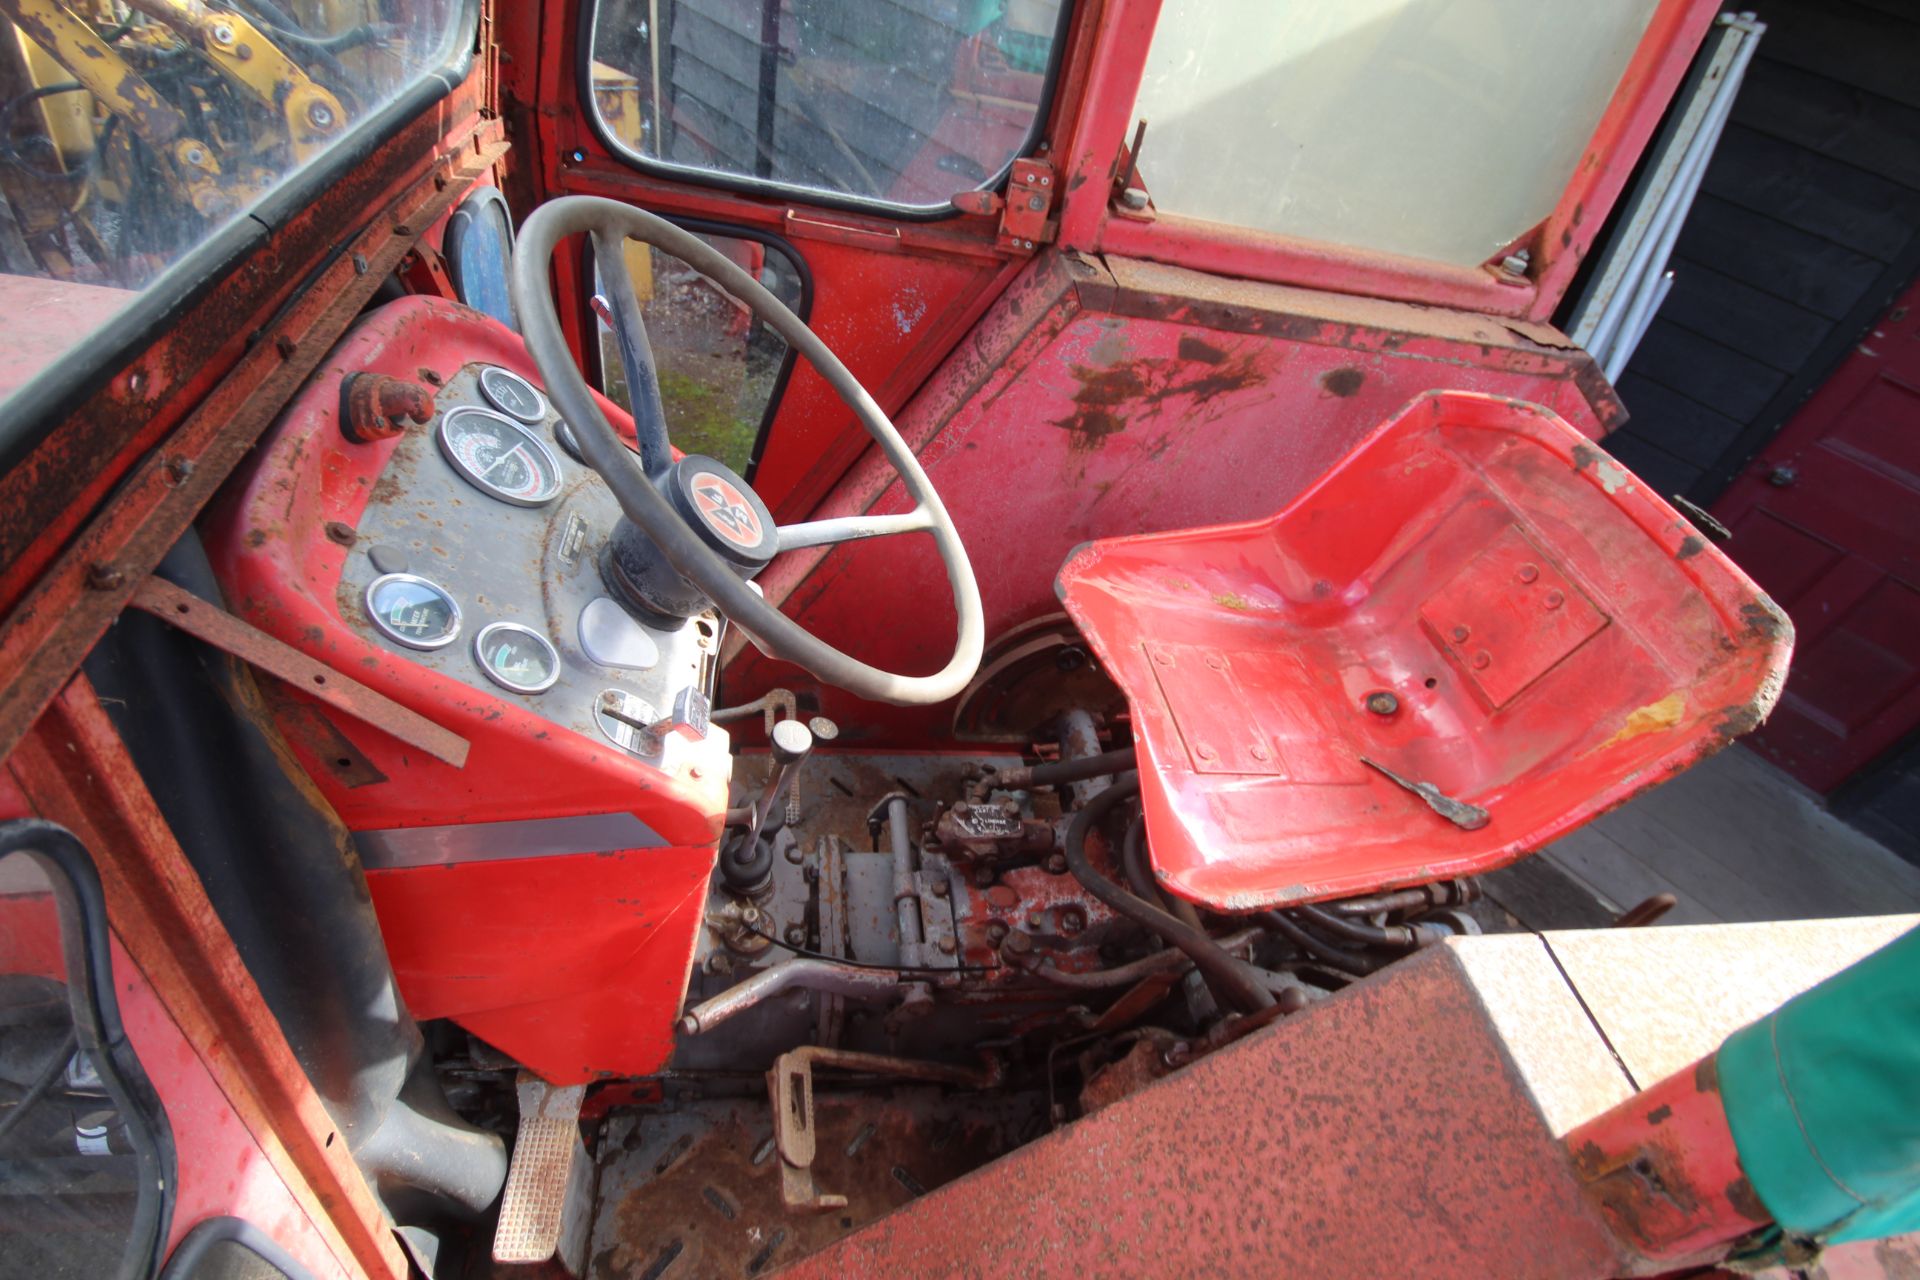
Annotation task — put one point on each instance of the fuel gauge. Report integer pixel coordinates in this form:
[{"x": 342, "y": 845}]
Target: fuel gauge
[
  {"x": 516, "y": 657},
  {"x": 413, "y": 611}
]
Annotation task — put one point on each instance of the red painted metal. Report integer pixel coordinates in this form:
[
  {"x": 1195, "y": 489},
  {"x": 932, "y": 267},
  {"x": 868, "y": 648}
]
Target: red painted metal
[
  {"x": 221, "y": 1169},
  {"x": 267, "y": 539},
  {"x": 74, "y": 770},
  {"x": 1553, "y": 638},
  {"x": 1662, "y": 1170},
  {"x": 1382, "y": 1133},
  {"x": 1824, "y": 518},
  {"x": 1098, "y": 401},
  {"x": 575, "y": 965}
]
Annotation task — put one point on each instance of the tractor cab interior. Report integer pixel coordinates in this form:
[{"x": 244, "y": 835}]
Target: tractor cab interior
[{"x": 796, "y": 608}]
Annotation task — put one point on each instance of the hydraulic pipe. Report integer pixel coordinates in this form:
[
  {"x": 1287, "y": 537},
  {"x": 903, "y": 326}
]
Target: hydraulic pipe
[
  {"x": 1133, "y": 860},
  {"x": 1347, "y": 962},
  {"x": 1125, "y": 975},
  {"x": 801, "y": 972},
  {"x": 1061, "y": 771},
  {"x": 906, "y": 898},
  {"x": 1402, "y": 936},
  {"x": 1233, "y": 981}
]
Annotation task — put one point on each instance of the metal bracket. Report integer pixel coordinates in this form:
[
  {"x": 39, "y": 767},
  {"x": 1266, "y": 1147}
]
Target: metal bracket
[
  {"x": 1024, "y": 222},
  {"x": 790, "y": 1089},
  {"x": 209, "y": 622}
]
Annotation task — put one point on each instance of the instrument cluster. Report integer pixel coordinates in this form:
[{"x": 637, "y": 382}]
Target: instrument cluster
[{"x": 478, "y": 555}]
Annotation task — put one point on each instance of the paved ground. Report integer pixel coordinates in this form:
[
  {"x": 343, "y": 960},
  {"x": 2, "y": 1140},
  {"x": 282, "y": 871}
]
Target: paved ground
[{"x": 1736, "y": 839}]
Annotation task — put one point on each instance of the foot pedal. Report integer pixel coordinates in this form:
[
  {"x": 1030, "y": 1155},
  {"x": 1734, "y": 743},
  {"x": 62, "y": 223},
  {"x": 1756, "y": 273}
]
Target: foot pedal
[{"x": 548, "y": 1204}]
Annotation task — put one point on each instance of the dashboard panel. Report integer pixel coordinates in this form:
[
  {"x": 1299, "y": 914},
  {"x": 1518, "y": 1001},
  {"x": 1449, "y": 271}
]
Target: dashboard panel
[{"x": 527, "y": 893}]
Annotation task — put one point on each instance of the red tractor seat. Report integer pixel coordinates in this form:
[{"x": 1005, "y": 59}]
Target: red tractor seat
[{"x": 1476, "y": 601}]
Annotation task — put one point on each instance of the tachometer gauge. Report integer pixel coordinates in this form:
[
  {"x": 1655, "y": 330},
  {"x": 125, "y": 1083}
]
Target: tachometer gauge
[
  {"x": 499, "y": 457},
  {"x": 413, "y": 611},
  {"x": 512, "y": 394},
  {"x": 516, "y": 657}
]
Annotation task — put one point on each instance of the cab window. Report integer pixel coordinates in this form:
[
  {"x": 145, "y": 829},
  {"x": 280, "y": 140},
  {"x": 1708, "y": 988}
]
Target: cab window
[
  {"x": 1436, "y": 129},
  {"x": 894, "y": 103},
  {"x": 128, "y": 140}
]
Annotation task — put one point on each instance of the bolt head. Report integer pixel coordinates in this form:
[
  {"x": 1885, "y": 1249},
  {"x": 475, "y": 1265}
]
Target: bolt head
[
  {"x": 946, "y": 946},
  {"x": 1133, "y": 198},
  {"x": 1382, "y": 703},
  {"x": 1482, "y": 660},
  {"x": 222, "y": 33},
  {"x": 1528, "y": 572},
  {"x": 941, "y": 889},
  {"x": 320, "y": 115}
]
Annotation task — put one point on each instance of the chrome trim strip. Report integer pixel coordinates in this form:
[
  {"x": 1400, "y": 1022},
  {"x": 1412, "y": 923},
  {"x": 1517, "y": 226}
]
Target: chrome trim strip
[{"x": 492, "y": 841}]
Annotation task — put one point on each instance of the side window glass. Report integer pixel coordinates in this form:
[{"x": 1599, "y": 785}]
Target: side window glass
[
  {"x": 80, "y": 1156},
  {"x": 721, "y": 369},
  {"x": 904, "y": 103}
]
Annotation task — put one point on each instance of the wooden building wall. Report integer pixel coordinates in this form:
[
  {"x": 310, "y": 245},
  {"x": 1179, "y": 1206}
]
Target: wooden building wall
[{"x": 1807, "y": 225}]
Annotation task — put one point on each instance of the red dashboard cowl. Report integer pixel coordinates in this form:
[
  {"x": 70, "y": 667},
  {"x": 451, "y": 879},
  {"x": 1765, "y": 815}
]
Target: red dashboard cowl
[{"x": 573, "y": 961}]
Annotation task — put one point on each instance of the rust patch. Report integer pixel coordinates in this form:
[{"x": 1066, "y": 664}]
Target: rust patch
[
  {"x": 1343, "y": 382},
  {"x": 1690, "y": 546},
  {"x": 1764, "y": 620},
  {"x": 1228, "y": 600},
  {"x": 1741, "y": 1195},
  {"x": 1612, "y": 476},
  {"x": 1112, "y": 398},
  {"x": 1192, "y": 348},
  {"x": 1660, "y": 1115}
]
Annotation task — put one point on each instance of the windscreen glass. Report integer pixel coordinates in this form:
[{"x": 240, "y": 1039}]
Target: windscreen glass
[
  {"x": 1436, "y": 129},
  {"x": 131, "y": 135}
]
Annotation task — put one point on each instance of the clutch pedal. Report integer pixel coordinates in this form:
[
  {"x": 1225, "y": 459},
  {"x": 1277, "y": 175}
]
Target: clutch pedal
[{"x": 548, "y": 1203}]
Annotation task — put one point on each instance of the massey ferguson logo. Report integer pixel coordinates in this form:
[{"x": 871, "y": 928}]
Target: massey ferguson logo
[{"x": 726, "y": 510}]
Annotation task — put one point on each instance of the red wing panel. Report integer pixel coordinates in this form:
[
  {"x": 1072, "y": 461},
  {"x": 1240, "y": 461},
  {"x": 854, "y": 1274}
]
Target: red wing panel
[{"x": 1476, "y": 597}]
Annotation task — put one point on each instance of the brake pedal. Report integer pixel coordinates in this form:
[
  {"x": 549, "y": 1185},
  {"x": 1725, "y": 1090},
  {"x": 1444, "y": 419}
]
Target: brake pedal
[{"x": 547, "y": 1206}]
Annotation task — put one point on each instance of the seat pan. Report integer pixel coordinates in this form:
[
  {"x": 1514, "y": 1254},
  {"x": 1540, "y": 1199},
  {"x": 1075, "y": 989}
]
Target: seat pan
[{"x": 1554, "y": 638}]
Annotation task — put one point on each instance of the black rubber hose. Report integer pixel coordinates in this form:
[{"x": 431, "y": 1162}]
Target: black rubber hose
[
  {"x": 1232, "y": 980},
  {"x": 1367, "y": 935},
  {"x": 1320, "y": 949},
  {"x": 1076, "y": 770},
  {"x": 1133, "y": 860}
]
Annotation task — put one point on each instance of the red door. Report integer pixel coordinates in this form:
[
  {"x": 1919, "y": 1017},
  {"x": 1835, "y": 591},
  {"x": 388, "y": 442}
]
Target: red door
[{"x": 1827, "y": 520}]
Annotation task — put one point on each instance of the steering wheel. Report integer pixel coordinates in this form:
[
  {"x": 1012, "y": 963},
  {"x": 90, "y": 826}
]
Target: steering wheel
[{"x": 704, "y": 520}]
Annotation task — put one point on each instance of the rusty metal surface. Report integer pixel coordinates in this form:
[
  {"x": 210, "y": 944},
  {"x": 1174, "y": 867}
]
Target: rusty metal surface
[
  {"x": 72, "y": 604},
  {"x": 696, "y": 1192},
  {"x": 1662, "y": 1169},
  {"x": 1382, "y": 1133},
  {"x": 222, "y": 630},
  {"x": 74, "y": 770}
]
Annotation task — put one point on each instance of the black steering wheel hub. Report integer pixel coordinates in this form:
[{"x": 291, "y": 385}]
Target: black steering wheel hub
[{"x": 721, "y": 509}]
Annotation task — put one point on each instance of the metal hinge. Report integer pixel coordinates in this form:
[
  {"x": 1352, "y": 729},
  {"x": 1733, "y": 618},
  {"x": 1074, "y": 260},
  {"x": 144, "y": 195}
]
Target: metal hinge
[{"x": 1025, "y": 223}]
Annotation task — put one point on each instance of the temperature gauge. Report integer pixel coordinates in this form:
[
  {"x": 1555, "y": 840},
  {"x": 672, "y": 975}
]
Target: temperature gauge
[
  {"x": 412, "y": 611},
  {"x": 499, "y": 457},
  {"x": 516, "y": 657},
  {"x": 512, "y": 394}
]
